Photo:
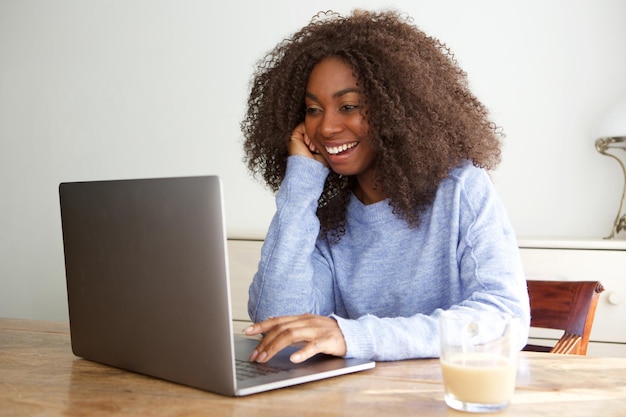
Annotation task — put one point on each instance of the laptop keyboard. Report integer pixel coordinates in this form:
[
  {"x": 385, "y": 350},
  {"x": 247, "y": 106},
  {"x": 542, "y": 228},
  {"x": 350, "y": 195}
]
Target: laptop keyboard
[{"x": 247, "y": 369}]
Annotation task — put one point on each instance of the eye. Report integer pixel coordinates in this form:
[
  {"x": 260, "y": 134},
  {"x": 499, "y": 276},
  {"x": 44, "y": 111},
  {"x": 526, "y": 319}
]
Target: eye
[
  {"x": 349, "y": 107},
  {"x": 312, "y": 110}
]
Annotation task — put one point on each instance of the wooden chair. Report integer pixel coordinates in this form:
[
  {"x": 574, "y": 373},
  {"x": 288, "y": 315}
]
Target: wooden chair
[{"x": 564, "y": 305}]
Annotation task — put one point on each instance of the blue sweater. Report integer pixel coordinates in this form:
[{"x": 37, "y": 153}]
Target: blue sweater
[{"x": 386, "y": 283}]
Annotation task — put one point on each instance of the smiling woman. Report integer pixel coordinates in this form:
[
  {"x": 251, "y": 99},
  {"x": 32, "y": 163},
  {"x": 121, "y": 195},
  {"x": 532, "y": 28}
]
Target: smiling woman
[
  {"x": 385, "y": 216},
  {"x": 336, "y": 126},
  {"x": 423, "y": 119}
]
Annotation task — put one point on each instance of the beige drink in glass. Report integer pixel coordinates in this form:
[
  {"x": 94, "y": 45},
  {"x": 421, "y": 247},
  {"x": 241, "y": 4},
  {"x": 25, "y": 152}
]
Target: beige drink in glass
[{"x": 478, "y": 359}]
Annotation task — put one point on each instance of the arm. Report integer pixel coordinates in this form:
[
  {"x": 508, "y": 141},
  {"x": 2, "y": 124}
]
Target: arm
[
  {"x": 293, "y": 277},
  {"x": 284, "y": 283}
]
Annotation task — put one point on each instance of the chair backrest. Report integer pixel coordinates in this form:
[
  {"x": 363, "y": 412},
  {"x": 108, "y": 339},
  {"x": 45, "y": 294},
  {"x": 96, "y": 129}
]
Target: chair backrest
[{"x": 564, "y": 305}]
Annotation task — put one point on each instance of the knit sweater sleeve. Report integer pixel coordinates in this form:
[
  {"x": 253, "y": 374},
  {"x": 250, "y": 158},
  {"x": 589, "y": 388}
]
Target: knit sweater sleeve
[{"x": 293, "y": 278}]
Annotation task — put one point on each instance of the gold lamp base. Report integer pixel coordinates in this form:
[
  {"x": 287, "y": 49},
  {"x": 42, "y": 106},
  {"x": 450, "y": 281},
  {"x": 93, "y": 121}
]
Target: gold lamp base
[{"x": 602, "y": 146}]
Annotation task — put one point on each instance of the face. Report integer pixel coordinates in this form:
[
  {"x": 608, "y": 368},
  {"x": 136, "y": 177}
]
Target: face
[{"x": 334, "y": 121}]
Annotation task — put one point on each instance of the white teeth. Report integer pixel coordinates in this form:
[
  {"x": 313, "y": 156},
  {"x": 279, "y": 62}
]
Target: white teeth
[{"x": 337, "y": 149}]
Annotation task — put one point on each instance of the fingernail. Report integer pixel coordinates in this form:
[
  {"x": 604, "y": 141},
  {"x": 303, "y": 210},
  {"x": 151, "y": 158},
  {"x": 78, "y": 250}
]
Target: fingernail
[
  {"x": 295, "y": 358},
  {"x": 262, "y": 357},
  {"x": 254, "y": 355},
  {"x": 248, "y": 329}
]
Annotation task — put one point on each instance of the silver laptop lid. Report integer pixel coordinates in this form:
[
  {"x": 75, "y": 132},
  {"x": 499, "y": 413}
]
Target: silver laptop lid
[{"x": 147, "y": 277}]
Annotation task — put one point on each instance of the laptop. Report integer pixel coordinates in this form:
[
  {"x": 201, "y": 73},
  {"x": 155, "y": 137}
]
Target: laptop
[{"x": 148, "y": 287}]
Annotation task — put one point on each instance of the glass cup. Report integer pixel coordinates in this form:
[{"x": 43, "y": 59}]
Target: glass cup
[{"x": 478, "y": 359}]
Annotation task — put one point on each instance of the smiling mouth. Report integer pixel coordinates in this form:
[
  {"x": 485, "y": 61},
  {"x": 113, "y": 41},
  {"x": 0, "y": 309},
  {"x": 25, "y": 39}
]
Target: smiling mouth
[{"x": 335, "y": 150}]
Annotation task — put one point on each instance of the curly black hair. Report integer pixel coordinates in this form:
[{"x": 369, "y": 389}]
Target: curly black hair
[{"x": 423, "y": 119}]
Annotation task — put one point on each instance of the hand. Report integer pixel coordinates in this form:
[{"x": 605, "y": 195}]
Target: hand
[
  {"x": 320, "y": 335},
  {"x": 301, "y": 144}
]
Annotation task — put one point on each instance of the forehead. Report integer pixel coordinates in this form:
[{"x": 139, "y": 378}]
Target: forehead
[{"x": 331, "y": 75}]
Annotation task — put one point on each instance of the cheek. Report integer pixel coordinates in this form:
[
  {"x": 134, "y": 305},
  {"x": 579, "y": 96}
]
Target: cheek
[
  {"x": 360, "y": 126},
  {"x": 365, "y": 127},
  {"x": 309, "y": 127},
  {"x": 311, "y": 130}
]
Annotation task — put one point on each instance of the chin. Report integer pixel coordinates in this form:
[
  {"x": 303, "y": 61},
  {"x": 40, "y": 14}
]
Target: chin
[{"x": 344, "y": 172}]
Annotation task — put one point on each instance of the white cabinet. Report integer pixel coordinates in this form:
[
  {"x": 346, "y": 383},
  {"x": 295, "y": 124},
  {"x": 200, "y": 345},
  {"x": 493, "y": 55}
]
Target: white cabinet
[
  {"x": 585, "y": 260},
  {"x": 244, "y": 256}
]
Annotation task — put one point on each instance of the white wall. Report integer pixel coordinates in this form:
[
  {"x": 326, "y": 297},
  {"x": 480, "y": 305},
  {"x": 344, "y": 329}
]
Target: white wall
[{"x": 142, "y": 88}]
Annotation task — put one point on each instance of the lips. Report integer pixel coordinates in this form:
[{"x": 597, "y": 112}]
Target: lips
[{"x": 335, "y": 150}]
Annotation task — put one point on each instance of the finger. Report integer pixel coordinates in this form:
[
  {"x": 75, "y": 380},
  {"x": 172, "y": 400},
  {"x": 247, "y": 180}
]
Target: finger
[
  {"x": 315, "y": 152},
  {"x": 287, "y": 331},
  {"x": 298, "y": 147},
  {"x": 273, "y": 329},
  {"x": 308, "y": 351},
  {"x": 266, "y": 325},
  {"x": 299, "y": 133},
  {"x": 267, "y": 350},
  {"x": 301, "y": 144},
  {"x": 310, "y": 144},
  {"x": 321, "y": 334},
  {"x": 252, "y": 330}
]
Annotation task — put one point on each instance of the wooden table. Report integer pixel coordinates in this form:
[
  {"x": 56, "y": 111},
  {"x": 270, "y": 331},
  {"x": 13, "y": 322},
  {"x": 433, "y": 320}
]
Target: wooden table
[{"x": 39, "y": 376}]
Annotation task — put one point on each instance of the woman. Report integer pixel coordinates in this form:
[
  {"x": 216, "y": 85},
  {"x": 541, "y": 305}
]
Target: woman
[{"x": 386, "y": 215}]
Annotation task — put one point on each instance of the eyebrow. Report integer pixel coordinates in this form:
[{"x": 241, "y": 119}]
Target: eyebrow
[{"x": 337, "y": 94}]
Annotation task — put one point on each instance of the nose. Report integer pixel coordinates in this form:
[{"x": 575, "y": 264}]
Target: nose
[{"x": 330, "y": 124}]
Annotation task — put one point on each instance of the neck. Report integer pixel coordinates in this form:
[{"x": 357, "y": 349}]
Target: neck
[{"x": 368, "y": 195}]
